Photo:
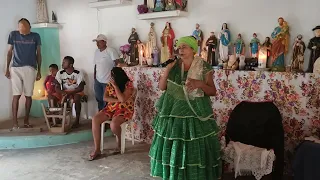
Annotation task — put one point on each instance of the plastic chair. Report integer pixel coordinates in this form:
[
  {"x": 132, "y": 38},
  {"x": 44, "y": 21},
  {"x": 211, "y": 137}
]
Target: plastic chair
[{"x": 123, "y": 130}]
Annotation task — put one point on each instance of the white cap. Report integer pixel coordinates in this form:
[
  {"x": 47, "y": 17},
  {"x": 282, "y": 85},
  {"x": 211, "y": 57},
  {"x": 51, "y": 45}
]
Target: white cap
[{"x": 100, "y": 37}]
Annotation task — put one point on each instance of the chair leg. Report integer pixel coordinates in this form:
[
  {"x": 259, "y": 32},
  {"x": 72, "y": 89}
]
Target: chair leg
[
  {"x": 123, "y": 137},
  {"x": 87, "y": 110},
  {"x": 102, "y": 135},
  {"x": 45, "y": 116},
  {"x": 132, "y": 133}
]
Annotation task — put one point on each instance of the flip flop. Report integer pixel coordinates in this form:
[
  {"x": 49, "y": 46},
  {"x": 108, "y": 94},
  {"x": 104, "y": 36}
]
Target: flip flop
[
  {"x": 116, "y": 152},
  {"x": 14, "y": 128},
  {"x": 94, "y": 157},
  {"x": 27, "y": 126}
]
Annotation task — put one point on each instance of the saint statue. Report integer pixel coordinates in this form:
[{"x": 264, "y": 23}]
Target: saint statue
[
  {"x": 170, "y": 5},
  {"x": 239, "y": 46},
  {"x": 197, "y": 33},
  {"x": 299, "y": 48},
  {"x": 150, "y": 4},
  {"x": 280, "y": 44},
  {"x": 254, "y": 46},
  {"x": 224, "y": 40},
  {"x": 159, "y": 6},
  {"x": 42, "y": 13},
  {"x": 167, "y": 43},
  {"x": 152, "y": 42},
  {"x": 314, "y": 46},
  {"x": 134, "y": 54},
  {"x": 181, "y": 4},
  {"x": 267, "y": 45},
  {"x": 211, "y": 47}
]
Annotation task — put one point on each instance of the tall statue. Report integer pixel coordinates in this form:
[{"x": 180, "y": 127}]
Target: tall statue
[
  {"x": 211, "y": 46},
  {"x": 152, "y": 42},
  {"x": 267, "y": 45},
  {"x": 167, "y": 43},
  {"x": 150, "y": 5},
  {"x": 280, "y": 45},
  {"x": 314, "y": 46},
  {"x": 134, "y": 54},
  {"x": 239, "y": 46},
  {"x": 42, "y": 12},
  {"x": 159, "y": 6},
  {"x": 197, "y": 33},
  {"x": 224, "y": 40},
  {"x": 170, "y": 5},
  {"x": 299, "y": 48},
  {"x": 254, "y": 46}
]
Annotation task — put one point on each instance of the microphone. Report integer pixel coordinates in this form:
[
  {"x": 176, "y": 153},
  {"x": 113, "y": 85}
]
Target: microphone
[{"x": 169, "y": 61}]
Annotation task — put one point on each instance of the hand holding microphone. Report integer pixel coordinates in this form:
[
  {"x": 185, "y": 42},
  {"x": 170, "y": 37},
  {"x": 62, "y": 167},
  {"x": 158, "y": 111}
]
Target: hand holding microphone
[{"x": 170, "y": 62}]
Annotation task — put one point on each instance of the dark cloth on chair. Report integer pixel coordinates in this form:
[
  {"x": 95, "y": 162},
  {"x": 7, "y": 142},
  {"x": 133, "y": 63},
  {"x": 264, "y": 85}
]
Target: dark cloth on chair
[
  {"x": 258, "y": 124},
  {"x": 306, "y": 164}
]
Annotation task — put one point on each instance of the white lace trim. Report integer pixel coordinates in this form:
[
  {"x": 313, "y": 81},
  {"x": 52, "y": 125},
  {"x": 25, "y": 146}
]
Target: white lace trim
[{"x": 248, "y": 159}]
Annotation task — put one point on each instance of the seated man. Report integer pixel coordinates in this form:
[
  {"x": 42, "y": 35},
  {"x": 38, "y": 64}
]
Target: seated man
[{"x": 70, "y": 84}]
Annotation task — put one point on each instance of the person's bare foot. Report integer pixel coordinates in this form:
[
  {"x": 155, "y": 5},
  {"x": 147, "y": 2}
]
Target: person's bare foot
[{"x": 94, "y": 155}]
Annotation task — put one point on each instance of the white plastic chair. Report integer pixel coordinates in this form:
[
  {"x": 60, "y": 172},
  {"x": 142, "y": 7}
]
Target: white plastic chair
[{"x": 123, "y": 130}]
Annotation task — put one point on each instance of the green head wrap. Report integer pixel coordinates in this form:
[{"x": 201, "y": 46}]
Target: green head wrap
[{"x": 190, "y": 41}]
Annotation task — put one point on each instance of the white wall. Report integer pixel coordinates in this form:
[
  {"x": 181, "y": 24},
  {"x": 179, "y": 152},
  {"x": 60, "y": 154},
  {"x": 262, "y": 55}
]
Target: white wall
[
  {"x": 82, "y": 24},
  {"x": 11, "y": 11}
]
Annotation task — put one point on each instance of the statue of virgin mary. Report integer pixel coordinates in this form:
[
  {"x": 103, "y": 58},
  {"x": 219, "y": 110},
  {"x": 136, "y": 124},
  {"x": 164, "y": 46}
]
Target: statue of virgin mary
[
  {"x": 42, "y": 13},
  {"x": 152, "y": 41}
]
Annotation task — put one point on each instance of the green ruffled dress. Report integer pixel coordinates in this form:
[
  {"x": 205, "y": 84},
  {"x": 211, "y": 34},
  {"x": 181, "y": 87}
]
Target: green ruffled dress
[{"x": 184, "y": 146}]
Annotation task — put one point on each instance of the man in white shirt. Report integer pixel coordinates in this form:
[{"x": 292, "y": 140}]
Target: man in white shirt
[
  {"x": 104, "y": 61},
  {"x": 70, "y": 85}
]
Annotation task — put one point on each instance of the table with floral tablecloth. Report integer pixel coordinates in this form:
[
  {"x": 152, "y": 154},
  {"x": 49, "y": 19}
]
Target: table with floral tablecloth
[{"x": 295, "y": 94}]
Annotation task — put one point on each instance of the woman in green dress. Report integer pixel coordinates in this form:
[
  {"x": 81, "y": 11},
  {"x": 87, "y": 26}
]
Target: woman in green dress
[{"x": 185, "y": 144}]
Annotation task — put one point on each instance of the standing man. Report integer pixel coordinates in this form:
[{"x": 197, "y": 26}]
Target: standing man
[
  {"x": 25, "y": 51},
  {"x": 104, "y": 60}
]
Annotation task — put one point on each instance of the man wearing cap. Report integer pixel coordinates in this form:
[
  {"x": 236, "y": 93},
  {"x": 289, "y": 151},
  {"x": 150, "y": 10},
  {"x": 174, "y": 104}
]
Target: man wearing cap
[
  {"x": 25, "y": 54},
  {"x": 314, "y": 46},
  {"x": 104, "y": 61}
]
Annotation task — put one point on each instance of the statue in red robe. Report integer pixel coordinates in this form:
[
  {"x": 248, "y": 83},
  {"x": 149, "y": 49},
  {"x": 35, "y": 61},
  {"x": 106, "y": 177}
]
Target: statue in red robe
[{"x": 167, "y": 39}]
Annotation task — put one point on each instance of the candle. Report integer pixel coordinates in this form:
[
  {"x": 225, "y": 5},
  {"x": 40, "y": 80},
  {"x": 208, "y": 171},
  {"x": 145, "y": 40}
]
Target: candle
[
  {"x": 262, "y": 61},
  {"x": 39, "y": 91},
  {"x": 141, "y": 57}
]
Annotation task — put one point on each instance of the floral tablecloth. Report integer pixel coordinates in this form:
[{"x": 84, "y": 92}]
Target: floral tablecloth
[{"x": 295, "y": 94}]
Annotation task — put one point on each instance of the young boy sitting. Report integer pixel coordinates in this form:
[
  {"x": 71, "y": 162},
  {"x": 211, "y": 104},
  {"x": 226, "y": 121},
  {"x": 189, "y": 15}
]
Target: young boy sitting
[{"x": 50, "y": 83}]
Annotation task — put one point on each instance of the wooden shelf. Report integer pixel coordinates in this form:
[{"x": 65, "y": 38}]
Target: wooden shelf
[
  {"x": 109, "y": 4},
  {"x": 163, "y": 14},
  {"x": 46, "y": 25}
]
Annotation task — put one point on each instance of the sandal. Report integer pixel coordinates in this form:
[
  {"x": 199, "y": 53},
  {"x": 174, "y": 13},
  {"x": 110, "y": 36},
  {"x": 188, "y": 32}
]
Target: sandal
[
  {"x": 27, "y": 126},
  {"x": 94, "y": 157},
  {"x": 14, "y": 128},
  {"x": 116, "y": 151}
]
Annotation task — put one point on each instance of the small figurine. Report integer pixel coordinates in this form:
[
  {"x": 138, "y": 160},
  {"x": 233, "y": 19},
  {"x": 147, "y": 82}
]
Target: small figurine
[
  {"x": 134, "y": 54},
  {"x": 155, "y": 56},
  {"x": 152, "y": 41},
  {"x": 204, "y": 54},
  {"x": 254, "y": 46},
  {"x": 150, "y": 4},
  {"x": 54, "y": 18},
  {"x": 233, "y": 63},
  {"x": 267, "y": 45},
  {"x": 239, "y": 46},
  {"x": 224, "y": 39},
  {"x": 141, "y": 50},
  {"x": 167, "y": 43},
  {"x": 159, "y": 6},
  {"x": 170, "y": 5},
  {"x": 314, "y": 46},
  {"x": 212, "y": 45},
  {"x": 176, "y": 48},
  {"x": 181, "y": 4},
  {"x": 299, "y": 48},
  {"x": 280, "y": 45},
  {"x": 197, "y": 33}
]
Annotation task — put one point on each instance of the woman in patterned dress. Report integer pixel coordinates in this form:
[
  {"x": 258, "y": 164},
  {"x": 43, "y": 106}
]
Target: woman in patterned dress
[
  {"x": 119, "y": 95},
  {"x": 185, "y": 145}
]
